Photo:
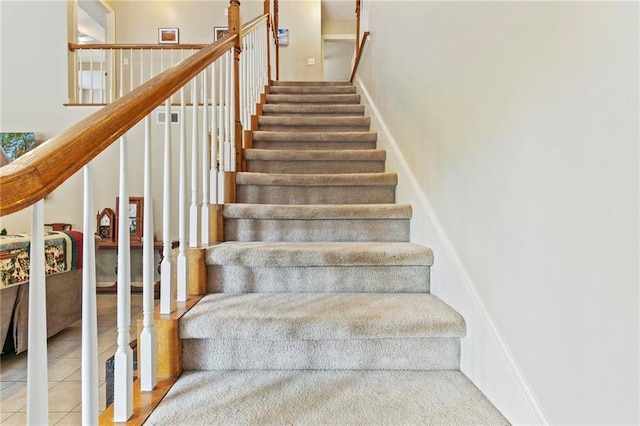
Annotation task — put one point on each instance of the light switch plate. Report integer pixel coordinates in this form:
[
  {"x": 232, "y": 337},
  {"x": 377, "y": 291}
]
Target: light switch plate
[{"x": 311, "y": 61}]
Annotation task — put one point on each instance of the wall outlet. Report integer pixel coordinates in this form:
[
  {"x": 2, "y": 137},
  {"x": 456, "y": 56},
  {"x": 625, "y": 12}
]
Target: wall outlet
[{"x": 311, "y": 61}]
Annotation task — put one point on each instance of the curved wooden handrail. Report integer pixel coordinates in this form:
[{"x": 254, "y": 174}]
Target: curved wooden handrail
[
  {"x": 365, "y": 36},
  {"x": 75, "y": 46},
  {"x": 37, "y": 173}
]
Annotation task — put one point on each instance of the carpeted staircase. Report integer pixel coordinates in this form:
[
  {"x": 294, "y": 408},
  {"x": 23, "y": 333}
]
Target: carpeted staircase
[{"x": 319, "y": 309}]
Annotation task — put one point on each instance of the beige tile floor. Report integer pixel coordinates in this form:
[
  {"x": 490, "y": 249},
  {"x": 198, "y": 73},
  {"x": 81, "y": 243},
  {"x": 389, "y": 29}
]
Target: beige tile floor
[{"x": 64, "y": 361}]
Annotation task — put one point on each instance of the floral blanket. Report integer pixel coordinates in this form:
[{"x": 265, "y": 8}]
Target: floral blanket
[{"x": 61, "y": 254}]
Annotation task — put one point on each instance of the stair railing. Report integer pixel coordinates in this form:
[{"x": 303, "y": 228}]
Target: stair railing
[
  {"x": 102, "y": 73},
  {"x": 208, "y": 77}
]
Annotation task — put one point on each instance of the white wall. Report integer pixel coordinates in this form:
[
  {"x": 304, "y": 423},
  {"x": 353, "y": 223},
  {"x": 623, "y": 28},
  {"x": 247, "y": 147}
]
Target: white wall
[
  {"x": 303, "y": 20},
  {"x": 517, "y": 127}
]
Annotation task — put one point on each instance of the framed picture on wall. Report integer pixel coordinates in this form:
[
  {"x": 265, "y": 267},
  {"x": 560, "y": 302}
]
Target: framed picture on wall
[
  {"x": 219, "y": 32},
  {"x": 134, "y": 215},
  {"x": 168, "y": 35}
]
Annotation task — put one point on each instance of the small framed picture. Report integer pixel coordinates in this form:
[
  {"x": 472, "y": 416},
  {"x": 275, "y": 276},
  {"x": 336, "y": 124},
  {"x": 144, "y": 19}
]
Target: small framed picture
[
  {"x": 219, "y": 32},
  {"x": 168, "y": 36}
]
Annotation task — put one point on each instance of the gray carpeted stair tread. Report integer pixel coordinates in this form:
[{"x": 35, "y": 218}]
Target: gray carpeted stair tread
[
  {"x": 322, "y": 109},
  {"x": 325, "y": 398},
  {"x": 299, "y": 223},
  {"x": 333, "y": 90},
  {"x": 317, "y": 180},
  {"x": 281, "y": 254},
  {"x": 304, "y": 121},
  {"x": 261, "y": 136},
  {"x": 316, "y": 155},
  {"x": 310, "y": 83},
  {"x": 315, "y": 123},
  {"x": 320, "y": 316},
  {"x": 313, "y": 99},
  {"x": 306, "y": 212}
]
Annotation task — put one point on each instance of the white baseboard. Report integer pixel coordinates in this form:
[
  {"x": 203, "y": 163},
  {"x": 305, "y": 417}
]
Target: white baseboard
[{"x": 486, "y": 357}]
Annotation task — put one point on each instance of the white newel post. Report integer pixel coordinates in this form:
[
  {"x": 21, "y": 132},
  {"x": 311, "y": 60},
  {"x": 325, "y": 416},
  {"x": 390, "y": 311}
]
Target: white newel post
[
  {"x": 204, "y": 217},
  {"x": 181, "y": 266},
  {"x": 148, "y": 362},
  {"x": 167, "y": 291},
  {"x": 89, "y": 309},
  {"x": 37, "y": 373},
  {"x": 123, "y": 370}
]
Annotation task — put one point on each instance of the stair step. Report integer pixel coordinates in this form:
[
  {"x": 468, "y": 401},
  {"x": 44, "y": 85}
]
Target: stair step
[
  {"x": 313, "y": 99},
  {"x": 313, "y": 124},
  {"x": 312, "y": 90},
  {"x": 294, "y": 223},
  {"x": 310, "y": 83},
  {"x": 343, "y": 188},
  {"x": 322, "y": 109},
  {"x": 321, "y": 331},
  {"x": 325, "y": 398},
  {"x": 305, "y": 267},
  {"x": 314, "y": 140},
  {"x": 315, "y": 161}
]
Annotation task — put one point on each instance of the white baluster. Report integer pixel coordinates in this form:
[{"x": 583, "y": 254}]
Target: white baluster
[
  {"x": 89, "y": 310},
  {"x": 221, "y": 126},
  {"x": 148, "y": 364},
  {"x": 90, "y": 76},
  {"x": 194, "y": 210},
  {"x": 121, "y": 76},
  {"x": 112, "y": 87},
  {"x": 37, "y": 373},
  {"x": 77, "y": 60},
  {"x": 123, "y": 359},
  {"x": 167, "y": 291},
  {"x": 181, "y": 266},
  {"x": 232, "y": 116},
  {"x": 102, "y": 78},
  {"x": 213, "y": 172},
  {"x": 227, "y": 113},
  {"x": 204, "y": 217}
]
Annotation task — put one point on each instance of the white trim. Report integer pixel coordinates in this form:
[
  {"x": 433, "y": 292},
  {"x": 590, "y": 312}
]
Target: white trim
[
  {"x": 338, "y": 37},
  {"x": 523, "y": 387}
]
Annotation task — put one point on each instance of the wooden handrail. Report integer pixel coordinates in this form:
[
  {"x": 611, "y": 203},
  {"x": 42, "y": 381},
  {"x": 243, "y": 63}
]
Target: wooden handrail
[
  {"x": 365, "y": 36},
  {"x": 249, "y": 26},
  {"x": 75, "y": 46},
  {"x": 37, "y": 173}
]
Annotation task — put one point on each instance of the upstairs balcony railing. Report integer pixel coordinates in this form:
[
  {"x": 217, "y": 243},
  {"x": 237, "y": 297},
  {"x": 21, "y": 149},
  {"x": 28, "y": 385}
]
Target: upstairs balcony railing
[{"x": 215, "y": 88}]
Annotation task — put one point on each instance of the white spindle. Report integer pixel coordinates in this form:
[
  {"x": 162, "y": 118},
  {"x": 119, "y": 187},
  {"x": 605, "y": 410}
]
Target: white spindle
[
  {"x": 167, "y": 291},
  {"x": 112, "y": 87},
  {"x": 181, "y": 266},
  {"x": 194, "y": 210},
  {"x": 121, "y": 76},
  {"x": 221, "y": 126},
  {"x": 232, "y": 117},
  {"x": 90, "y": 76},
  {"x": 80, "y": 72},
  {"x": 205, "y": 163},
  {"x": 227, "y": 113},
  {"x": 37, "y": 379},
  {"x": 89, "y": 310},
  {"x": 130, "y": 70},
  {"x": 102, "y": 78},
  {"x": 213, "y": 172},
  {"x": 148, "y": 363},
  {"x": 123, "y": 359}
]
